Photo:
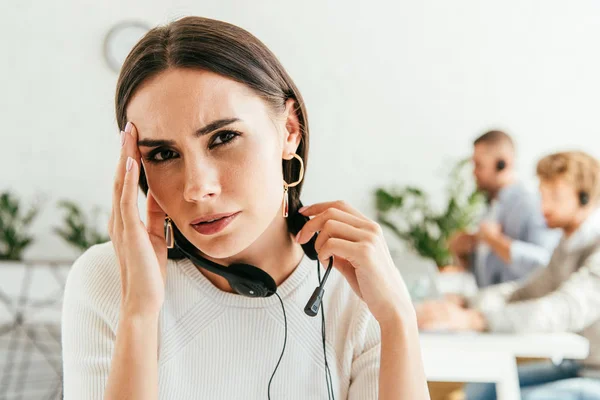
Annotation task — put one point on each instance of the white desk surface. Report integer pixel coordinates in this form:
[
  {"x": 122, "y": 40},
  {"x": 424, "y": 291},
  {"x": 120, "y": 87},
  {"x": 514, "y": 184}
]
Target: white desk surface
[
  {"x": 485, "y": 357},
  {"x": 544, "y": 345}
]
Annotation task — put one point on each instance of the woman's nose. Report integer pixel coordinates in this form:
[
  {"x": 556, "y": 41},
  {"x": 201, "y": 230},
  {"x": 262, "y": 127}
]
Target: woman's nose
[{"x": 200, "y": 185}]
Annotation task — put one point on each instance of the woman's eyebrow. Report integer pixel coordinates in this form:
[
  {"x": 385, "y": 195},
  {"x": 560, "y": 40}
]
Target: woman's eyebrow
[{"x": 213, "y": 126}]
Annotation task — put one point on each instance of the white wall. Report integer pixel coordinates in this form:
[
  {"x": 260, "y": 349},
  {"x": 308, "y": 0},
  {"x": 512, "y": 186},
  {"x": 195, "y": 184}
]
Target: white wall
[{"x": 394, "y": 89}]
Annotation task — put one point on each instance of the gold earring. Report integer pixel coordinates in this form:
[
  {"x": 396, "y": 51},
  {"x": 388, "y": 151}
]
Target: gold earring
[
  {"x": 169, "y": 233},
  {"x": 286, "y": 198}
]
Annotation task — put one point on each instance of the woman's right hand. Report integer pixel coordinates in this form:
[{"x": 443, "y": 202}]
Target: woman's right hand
[{"x": 141, "y": 249}]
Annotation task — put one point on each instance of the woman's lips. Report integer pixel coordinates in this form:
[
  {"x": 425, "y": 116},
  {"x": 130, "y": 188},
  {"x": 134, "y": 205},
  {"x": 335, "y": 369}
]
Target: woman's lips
[{"x": 210, "y": 228}]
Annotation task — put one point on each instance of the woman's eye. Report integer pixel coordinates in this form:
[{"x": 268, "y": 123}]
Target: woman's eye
[
  {"x": 162, "y": 155},
  {"x": 223, "y": 137},
  {"x": 220, "y": 139}
]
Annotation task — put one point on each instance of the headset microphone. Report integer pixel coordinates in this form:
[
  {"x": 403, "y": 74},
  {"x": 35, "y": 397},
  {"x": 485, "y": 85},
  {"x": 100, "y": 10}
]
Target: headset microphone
[{"x": 312, "y": 307}]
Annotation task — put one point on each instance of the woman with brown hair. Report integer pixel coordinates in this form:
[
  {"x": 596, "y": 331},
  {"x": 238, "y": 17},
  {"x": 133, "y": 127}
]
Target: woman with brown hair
[{"x": 207, "y": 298}]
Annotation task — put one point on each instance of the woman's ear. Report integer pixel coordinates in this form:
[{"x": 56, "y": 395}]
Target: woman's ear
[{"x": 292, "y": 134}]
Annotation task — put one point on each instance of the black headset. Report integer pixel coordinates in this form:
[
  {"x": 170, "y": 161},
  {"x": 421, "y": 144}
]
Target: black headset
[
  {"x": 250, "y": 281},
  {"x": 584, "y": 198},
  {"x": 500, "y": 165}
]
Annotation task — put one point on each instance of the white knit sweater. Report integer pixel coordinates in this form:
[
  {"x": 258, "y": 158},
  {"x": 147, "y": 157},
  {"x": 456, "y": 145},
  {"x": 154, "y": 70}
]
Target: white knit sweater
[{"x": 218, "y": 345}]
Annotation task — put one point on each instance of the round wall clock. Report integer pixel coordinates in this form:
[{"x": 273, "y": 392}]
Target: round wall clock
[{"x": 120, "y": 40}]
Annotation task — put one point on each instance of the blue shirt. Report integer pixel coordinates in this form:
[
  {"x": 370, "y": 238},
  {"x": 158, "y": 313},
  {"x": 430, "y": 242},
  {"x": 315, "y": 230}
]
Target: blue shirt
[{"x": 519, "y": 213}]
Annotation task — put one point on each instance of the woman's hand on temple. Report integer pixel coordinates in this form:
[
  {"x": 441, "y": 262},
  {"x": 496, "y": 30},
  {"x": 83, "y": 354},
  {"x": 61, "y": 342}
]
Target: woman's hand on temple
[
  {"x": 141, "y": 250},
  {"x": 361, "y": 254}
]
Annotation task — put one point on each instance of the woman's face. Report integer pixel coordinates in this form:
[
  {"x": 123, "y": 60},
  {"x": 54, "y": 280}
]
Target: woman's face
[{"x": 209, "y": 145}]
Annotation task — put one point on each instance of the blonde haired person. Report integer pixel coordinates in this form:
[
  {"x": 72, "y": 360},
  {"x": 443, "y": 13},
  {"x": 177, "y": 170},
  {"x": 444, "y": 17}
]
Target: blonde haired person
[
  {"x": 563, "y": 297},
  {"x": 215, "y": 133}
]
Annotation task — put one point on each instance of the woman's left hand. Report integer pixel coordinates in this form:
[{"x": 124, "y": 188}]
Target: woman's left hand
[{"x": 361, "y": 254}]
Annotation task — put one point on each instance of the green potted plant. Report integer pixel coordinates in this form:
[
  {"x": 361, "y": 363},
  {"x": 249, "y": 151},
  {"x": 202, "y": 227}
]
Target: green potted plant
[
  {"x": 408, "y": 213},
  {"x": 14, "y": 226},
  {"x": 78, "y": 229}
]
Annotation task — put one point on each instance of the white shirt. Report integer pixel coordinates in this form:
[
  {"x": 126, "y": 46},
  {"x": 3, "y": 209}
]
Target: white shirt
[{"x": 219, "y": 345}]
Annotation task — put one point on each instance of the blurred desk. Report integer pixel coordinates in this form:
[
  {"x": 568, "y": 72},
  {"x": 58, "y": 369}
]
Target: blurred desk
[{"x": 475, "y": 357}]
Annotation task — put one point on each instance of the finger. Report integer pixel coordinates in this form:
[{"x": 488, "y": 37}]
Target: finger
[
  {"x": 333, "y": 228},
  {"x": 155, "y": 221},
  {"x": 118, "y": 182},
  {"x": 353, "y": 252},
  {"x": 110, "y": 223},
  {"x": 317, "y": 223},
  {"x": 339, "y": 204},
  {"x": 348, "y": 271},
  {"x": 155, "y": 226},
  {"x": 129, "y": 198},
  {"x": 129, "y": 208},
  {"x": 131, "y": 146}
]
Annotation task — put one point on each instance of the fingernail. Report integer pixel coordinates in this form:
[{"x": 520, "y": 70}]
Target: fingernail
[
  {"x": 129, "y": 163},
  {"x": 297, "y": 237},
  {"x": 128, "y": 127},
  {"x": 122, "y": 138},
  {"x": 302, "y": 209}
]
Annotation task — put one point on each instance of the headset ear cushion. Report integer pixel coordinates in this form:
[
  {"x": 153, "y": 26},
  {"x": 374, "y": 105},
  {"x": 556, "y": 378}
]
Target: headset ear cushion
[
  {"x": 297, "y": 221},
  {"x": 309, "y": 248},
  {"x": 583, "y": 198},
  {"x": 251, "y": 281},
  {"x": 500, "y": 165}
]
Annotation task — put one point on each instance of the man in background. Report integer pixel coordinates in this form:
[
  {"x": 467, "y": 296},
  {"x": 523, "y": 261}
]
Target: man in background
[
  {"x": 513, "y": 239},
  {"x": 563, "y": 297}
]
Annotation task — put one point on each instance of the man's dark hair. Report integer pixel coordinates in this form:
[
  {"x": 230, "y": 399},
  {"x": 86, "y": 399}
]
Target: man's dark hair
[{"x": 494, "y": 137}]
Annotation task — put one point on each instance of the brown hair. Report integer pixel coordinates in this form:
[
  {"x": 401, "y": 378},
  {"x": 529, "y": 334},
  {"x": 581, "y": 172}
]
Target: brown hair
[
  {"x": 225, "y": 49},
  {"x": 577, "y": 167},
  {"x": 493, "y": 138}
]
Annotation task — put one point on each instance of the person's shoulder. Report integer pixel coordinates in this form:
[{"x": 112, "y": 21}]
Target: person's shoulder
[
  {"x": 524, "y": 200},
  {"x": 94, "y": 279},
  {"x": 98, "y": 262},
  {"x": 526, "y": 194}
]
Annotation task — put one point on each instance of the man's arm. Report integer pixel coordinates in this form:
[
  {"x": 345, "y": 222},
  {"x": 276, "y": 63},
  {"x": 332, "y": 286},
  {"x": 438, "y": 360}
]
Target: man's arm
[
  {"x": 536, "y": 246},
  {"x": 531, "y": 250},
  {"x": 570, "y": 308},
  {"x": 491, "y": 233}
]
